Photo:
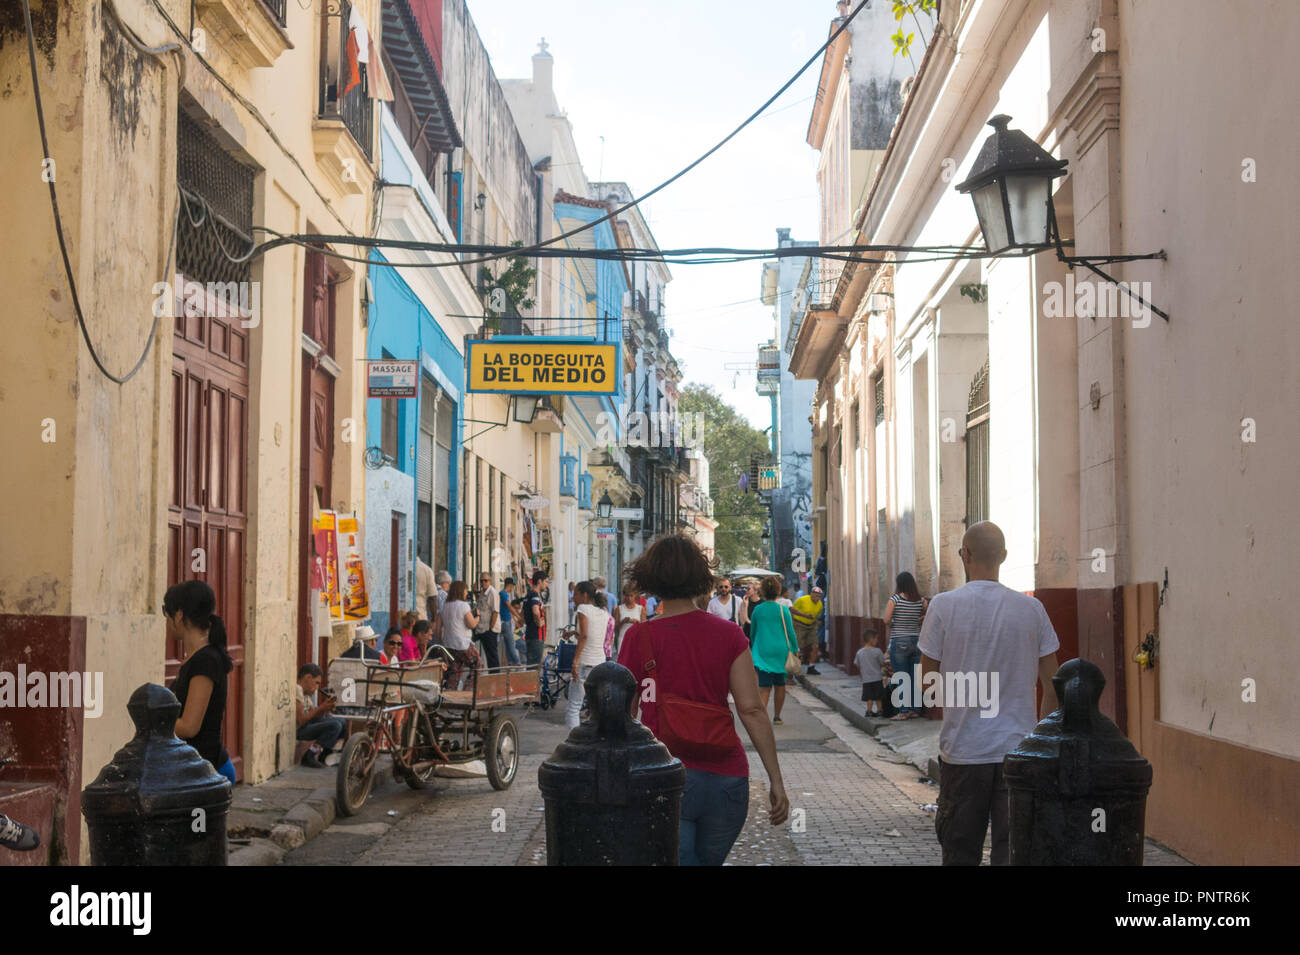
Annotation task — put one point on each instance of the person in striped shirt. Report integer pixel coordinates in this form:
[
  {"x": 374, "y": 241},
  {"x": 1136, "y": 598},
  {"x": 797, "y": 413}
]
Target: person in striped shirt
[{"x": 903, "y": 617}]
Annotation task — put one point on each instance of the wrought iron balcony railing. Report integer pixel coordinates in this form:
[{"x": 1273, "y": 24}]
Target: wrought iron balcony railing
[
  {"x": 277, "y": 9},
  {"x": 354, "y": 107}
]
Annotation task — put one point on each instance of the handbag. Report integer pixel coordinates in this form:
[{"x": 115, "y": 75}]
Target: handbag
[
  {"x": 690, "y": 729},
  {"x": 793, "y": 665}
]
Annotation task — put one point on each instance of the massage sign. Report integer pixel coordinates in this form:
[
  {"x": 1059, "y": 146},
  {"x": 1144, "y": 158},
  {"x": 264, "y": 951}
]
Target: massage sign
[{"x": 536, "y": 366}]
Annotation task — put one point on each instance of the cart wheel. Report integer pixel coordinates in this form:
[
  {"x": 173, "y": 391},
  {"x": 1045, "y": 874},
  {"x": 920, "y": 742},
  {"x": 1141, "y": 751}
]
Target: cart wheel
[
  {"x": 416, "y": 777},
  {"x": 501, "y": 751},
  {"x": 356, "y": 773}
]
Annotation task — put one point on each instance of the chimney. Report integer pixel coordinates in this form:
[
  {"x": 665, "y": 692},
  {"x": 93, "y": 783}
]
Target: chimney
[
  {"x": 782, "y": 236},
  {"x": 543, "y": 66}
]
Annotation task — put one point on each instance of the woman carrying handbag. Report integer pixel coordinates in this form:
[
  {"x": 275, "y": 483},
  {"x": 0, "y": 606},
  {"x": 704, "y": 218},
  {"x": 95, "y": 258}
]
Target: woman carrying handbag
[
  {"x": 772, "y": 629},
  {"x": 690, "y": 661}
]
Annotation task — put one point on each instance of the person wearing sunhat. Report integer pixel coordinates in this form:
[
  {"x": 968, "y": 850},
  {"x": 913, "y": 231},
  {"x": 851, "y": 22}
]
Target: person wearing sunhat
[{"x": 363, "y": 645}]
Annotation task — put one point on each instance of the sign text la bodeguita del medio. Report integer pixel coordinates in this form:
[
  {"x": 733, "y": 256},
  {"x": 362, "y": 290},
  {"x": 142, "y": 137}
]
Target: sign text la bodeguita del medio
[{"x": 541, "y": 368}]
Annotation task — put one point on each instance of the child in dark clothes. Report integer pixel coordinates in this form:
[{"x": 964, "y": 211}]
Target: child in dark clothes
[{"x": 870, "y": 661}]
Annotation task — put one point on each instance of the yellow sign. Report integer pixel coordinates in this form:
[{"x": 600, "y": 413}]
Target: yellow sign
[{"x": 541, "y": 367}]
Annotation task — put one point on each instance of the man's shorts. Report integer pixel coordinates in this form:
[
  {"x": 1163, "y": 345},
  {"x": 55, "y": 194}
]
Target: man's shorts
[
  {"x": 805, "y": 634},
  {"x": 766, "y": 679}
]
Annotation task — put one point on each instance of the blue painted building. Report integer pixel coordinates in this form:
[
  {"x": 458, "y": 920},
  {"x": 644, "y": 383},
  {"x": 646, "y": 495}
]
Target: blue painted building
[
  {"x": 413, "y": 444},
  {"x": 411, "y": 496}
]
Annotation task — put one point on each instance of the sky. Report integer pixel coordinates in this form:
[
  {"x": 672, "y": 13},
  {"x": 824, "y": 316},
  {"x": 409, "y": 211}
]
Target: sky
[{"x": 662, "y": 81}]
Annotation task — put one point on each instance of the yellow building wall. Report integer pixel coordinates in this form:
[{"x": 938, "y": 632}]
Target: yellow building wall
[{"x": 90, "y": 507}]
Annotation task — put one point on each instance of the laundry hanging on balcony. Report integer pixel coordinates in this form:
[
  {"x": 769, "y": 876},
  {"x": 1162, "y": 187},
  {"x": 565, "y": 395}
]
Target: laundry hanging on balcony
[{"x": 364, "y": 63}]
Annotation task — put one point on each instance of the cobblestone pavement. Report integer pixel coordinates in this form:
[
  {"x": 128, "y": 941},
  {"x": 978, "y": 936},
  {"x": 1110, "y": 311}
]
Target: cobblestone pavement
[
  {"x": 854, "y": 802},
  {"x": 848, "y": 811}
]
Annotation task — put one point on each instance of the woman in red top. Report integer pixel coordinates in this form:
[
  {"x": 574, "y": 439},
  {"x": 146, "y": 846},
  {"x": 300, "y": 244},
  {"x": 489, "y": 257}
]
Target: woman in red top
[{"x": 701, "y": 658}]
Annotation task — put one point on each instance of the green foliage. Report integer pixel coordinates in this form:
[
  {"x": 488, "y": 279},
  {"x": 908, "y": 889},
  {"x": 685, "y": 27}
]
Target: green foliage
[
  {"x": 903, "y": 8},
  {"x": 728, "y": 440},
  {"x": 516, "y": 280}
]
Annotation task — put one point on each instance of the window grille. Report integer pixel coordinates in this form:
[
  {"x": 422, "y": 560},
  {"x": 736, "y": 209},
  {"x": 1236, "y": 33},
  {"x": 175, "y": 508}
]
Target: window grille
[{"x": 220, "y": 199}]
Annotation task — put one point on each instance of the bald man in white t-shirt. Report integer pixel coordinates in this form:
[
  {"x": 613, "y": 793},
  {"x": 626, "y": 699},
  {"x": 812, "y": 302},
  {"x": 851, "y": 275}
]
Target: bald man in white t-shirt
[{"x": 990, "y": 645}]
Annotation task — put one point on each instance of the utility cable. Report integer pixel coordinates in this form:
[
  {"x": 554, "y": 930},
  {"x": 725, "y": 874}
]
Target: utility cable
[
  {"x": 58, "y": 219},
  {"x": 254, "y": 112},
  {"x": 533, "y": 250}
]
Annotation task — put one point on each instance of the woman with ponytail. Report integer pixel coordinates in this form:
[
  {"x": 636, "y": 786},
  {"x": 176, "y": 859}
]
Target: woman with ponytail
[{"x": 200, "y": 686}]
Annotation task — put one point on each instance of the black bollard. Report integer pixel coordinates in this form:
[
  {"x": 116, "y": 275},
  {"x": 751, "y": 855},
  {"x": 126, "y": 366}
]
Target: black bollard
[
  {"x": 1078, "y": 788},
  {"x": 613, "y": 792},
  {"x": 158, "y": 802}
]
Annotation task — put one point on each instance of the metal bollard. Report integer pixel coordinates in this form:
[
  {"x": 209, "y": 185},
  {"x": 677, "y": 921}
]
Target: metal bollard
[
  {"x": 613, "y": 793},
  {"x": 158, "y": 802},
  {"x": 1078, "y": 788}
]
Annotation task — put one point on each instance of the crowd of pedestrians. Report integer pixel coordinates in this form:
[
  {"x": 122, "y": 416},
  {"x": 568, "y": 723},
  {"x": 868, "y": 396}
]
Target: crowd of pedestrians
[{"x": 707, "y": 644}]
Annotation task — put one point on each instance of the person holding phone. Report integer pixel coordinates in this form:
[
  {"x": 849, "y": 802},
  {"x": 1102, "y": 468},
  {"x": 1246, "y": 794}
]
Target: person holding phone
[{"x": 314, "y": 720}]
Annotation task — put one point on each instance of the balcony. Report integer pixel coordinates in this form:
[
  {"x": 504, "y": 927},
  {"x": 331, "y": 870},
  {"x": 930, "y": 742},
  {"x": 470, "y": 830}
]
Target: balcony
[
  {"x": 568, "y": 475},
  {"x": 641, "y": 308},
  {"x": 250, "y": 31},
  {"x": 343, "y": 132},
  {"x": 611, "y": 463},
  {"x": 277, "y": 8},
  {"x": 769, "y": 369},
  {"x": 584, "y": 491}
]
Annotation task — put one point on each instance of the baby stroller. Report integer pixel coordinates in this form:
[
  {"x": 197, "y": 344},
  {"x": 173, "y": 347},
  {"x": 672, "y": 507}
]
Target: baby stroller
[{"x": 557, "y": 669}]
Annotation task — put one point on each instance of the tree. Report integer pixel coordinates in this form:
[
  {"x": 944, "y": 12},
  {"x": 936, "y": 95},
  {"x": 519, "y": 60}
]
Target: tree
[
  {"x": 729, "y": 440},
  {"x": 515, "y": 283}
]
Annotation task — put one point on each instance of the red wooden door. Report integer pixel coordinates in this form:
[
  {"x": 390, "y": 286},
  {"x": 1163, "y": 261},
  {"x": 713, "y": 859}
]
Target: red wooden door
[
  {"x": 207, "y": 507},
  {"x": 315, "y": 486}
]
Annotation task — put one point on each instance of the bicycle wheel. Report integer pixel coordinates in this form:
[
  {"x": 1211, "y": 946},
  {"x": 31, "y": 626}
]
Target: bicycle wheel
[
  {"x": 423, "y": 763},
  {"x": 356, "y": 773}
]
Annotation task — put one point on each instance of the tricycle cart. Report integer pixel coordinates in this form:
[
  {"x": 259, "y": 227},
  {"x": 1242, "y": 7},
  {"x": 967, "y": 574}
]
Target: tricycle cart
[{"x": 425, "y": 727}]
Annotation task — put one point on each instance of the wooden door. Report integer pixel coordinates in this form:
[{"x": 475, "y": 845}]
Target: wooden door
[
  {"x": 207, "y": 507},
  {"x": 317, "y": 438}
]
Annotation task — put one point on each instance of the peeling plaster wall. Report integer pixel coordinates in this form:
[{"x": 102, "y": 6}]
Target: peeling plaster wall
[{"x": 90, "y": 507}]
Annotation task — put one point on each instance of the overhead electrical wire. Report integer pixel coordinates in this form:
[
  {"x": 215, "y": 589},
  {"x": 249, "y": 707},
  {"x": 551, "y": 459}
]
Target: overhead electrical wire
[
  {"x": 535, "y": 250},
  {"x": 157, "y": 53}
]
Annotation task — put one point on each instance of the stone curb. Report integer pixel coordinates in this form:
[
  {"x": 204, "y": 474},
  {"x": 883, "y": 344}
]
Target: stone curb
[
  {"x": 851, "y": 713},
  {"x": 304, "y": 821},
  {"x": 839, "y": 705}
]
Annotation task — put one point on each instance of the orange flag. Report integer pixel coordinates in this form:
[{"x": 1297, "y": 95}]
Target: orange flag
[{"x": 354, "y": 68}]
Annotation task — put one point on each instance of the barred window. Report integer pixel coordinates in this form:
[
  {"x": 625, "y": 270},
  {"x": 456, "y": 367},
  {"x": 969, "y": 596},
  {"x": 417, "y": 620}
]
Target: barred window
[
  {"x": 216, "y": 221},
  {"x": 879, "y": 383}
]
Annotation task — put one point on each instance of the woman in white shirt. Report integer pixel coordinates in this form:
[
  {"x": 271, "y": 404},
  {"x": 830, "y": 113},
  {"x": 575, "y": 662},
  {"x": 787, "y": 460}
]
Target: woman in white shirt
[
  {"x": 592, "y": 622},
  {"x": 626, "y": 614},
  {"x": 458, "y": 622}
]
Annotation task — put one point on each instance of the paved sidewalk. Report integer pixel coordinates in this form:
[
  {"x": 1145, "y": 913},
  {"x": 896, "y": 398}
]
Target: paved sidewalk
[
  {"x": 916, "y": 741},
  {"x": 270, "y": 818},
  {"x": 863, "y": 798}
]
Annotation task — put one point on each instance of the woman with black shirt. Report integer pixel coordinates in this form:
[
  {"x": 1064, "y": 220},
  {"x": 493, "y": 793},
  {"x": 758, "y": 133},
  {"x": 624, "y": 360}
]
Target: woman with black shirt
[{"x": 200, "y": 686}]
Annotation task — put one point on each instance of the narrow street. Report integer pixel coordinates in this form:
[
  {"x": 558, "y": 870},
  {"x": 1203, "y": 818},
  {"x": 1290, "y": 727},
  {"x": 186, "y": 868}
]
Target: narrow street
[{"x": 861, "y": 802}]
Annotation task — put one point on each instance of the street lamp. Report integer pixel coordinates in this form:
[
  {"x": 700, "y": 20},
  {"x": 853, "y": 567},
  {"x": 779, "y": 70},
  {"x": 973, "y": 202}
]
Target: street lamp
[
  {"x": 605, "y": 506},
  {"x": 1010, "y": 184},
  {"x": 526, "y": 408}
]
